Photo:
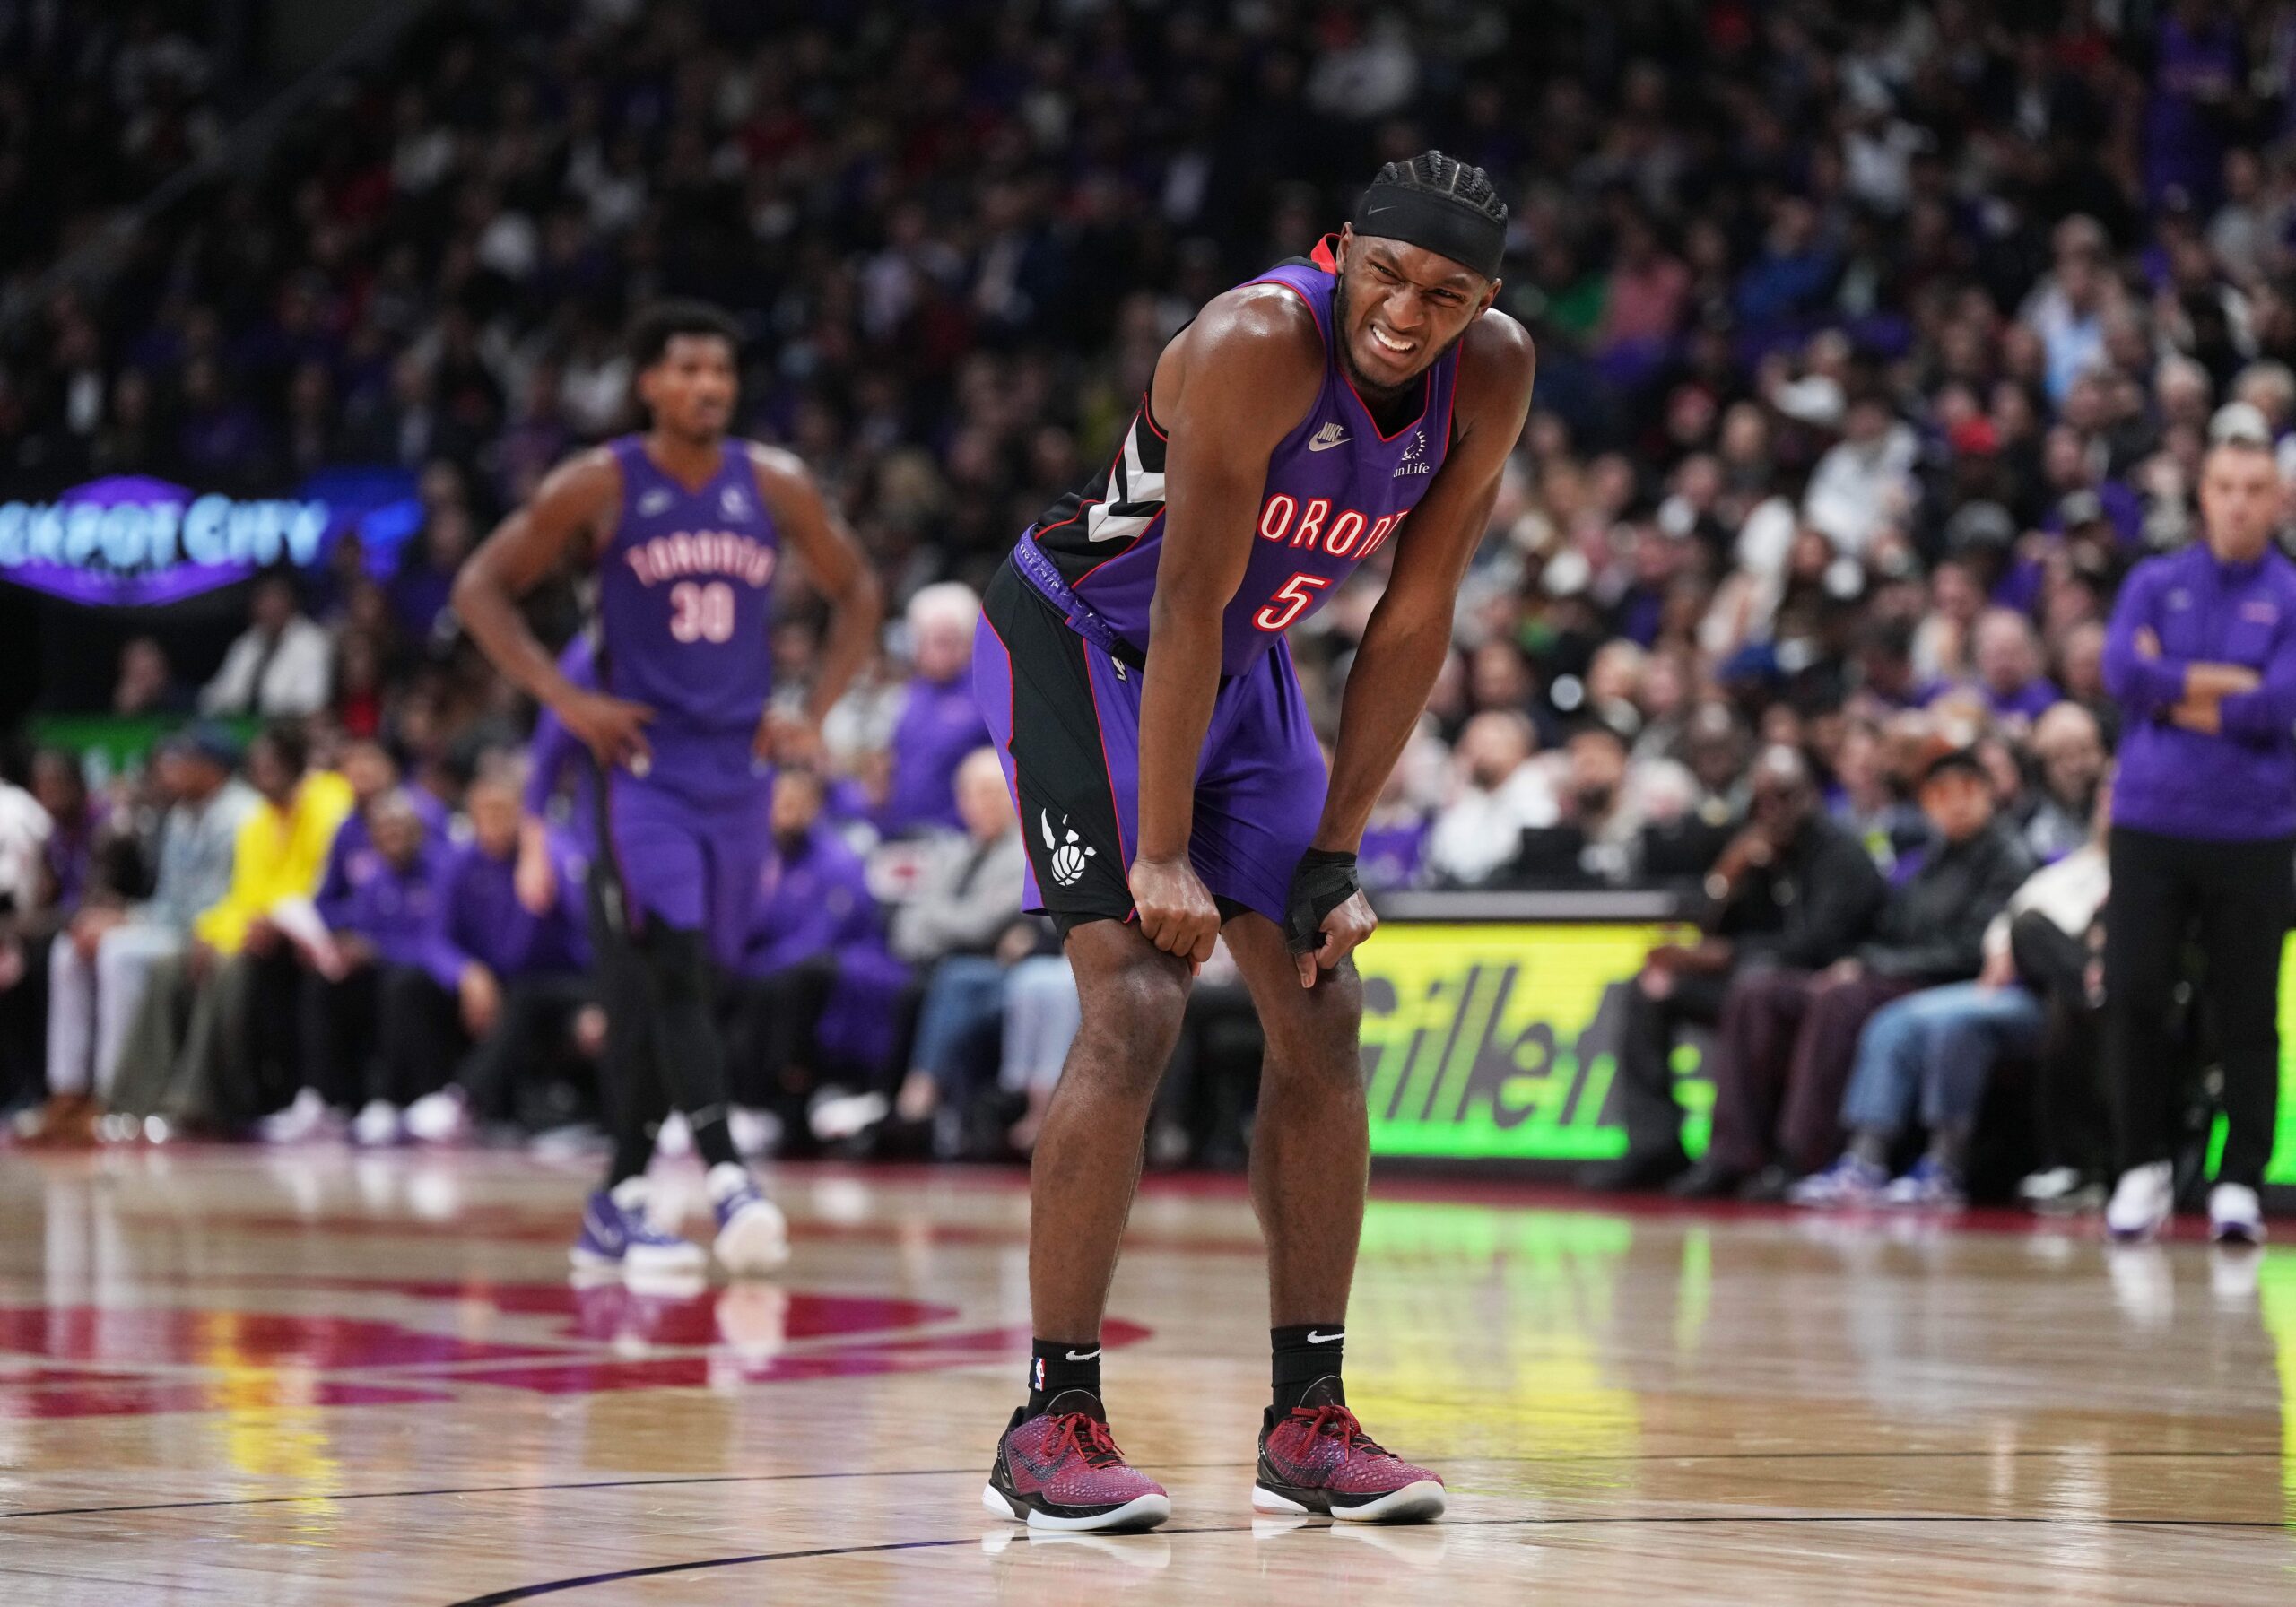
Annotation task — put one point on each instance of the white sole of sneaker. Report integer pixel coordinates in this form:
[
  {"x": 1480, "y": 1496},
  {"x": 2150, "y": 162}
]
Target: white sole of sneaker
[
  {"x": 590, "y": 1261},
  {"x": 684, "y": 1259},
  {"x": 1415, "y": 1503},
  {"x": 2235, "y": 1233},
  {"x": 754, "y": 1243},
  {"x": 1142, "y": 1512}
]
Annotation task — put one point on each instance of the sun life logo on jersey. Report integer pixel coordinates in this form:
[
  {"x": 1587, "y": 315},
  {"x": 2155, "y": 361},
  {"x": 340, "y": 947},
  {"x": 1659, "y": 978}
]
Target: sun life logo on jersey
[
  {"x": 1414, "y": 457},
  {"x": 653, "y": 502},
  {"x": 1068, "y": 857},
  {"x": 733, "y": 502}
]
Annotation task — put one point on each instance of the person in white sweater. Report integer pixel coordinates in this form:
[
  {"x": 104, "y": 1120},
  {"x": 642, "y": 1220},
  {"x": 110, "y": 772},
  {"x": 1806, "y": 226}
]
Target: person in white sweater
[
  {"x": 1498, "y": 792},
  {"x": 1930, "y": 1054}
]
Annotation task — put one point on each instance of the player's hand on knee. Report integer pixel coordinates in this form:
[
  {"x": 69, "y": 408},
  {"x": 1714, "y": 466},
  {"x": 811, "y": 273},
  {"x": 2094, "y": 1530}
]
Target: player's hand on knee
[
  {"x": 1343, "y": 929},
  {"x": 1325, "y": 914},
  {"x": 1176, "y": 913},
  {"x": 613, "y": 728}
]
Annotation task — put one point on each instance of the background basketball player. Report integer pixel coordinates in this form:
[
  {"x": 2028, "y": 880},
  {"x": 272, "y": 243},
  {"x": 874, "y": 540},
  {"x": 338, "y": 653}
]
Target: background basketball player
[{"x": 685, "y": 527}]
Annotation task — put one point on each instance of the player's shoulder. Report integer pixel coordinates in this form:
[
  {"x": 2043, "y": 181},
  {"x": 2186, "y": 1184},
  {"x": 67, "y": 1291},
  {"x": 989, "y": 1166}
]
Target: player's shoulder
[
  {"x": 765, "y": 458},
  {"x": 1499, "y": 351},
  {"x": 593, "y": 475},
  {"x": 1254, "y": 352},
  {"x": 1262, "y": 320},
  {"x": 783, "y": 478}
]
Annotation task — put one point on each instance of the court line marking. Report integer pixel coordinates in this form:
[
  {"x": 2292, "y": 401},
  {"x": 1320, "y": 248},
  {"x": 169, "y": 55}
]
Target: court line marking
[
  {"x": 526, "y": 1593},
  {"x": 938, "y": 1472}
]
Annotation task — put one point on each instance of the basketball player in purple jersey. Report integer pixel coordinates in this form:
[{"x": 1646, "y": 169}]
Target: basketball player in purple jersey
[
  {"x": 1132, "y": 665},
  {"x": 685, "y": 528}
]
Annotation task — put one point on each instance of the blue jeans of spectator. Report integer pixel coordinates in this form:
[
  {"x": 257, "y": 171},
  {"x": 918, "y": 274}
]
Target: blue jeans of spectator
[
  {"x": 1041, "y": 1016},
  {"x": 962, "y": 1003},
  {"x": 1931, "y": 1052}
]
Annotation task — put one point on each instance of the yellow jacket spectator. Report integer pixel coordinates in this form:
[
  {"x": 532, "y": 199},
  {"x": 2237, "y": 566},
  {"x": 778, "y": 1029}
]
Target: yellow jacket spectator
[{"x": 281, "y": 846}]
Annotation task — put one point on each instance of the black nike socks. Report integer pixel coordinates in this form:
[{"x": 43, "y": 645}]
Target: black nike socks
[
  {"x": 1304, "y": 1352},
  {"x": 1056, "y": 1366}
]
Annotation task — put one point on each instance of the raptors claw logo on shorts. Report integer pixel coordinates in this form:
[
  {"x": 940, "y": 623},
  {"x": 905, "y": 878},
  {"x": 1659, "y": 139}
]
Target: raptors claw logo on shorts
[{"x": 1067, "y": 858}]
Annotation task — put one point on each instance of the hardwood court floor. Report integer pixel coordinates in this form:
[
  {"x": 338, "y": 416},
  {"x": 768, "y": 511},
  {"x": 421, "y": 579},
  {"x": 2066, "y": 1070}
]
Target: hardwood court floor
[{"x": 233, "y": 1378}]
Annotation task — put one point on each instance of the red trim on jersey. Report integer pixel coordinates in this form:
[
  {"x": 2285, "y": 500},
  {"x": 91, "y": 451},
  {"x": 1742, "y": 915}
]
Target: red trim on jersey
[
  {"x": 1148, "y": 412},
  {"x": 1324, "y": 257},
  {"x": 1426, "y": 393}
]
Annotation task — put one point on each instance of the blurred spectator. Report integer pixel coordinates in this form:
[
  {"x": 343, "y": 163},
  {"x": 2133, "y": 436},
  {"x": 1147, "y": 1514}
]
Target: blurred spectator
[
  {"x": 280, "y": 666},
  {"x": 505, "y": 972},
  {"x": 816, "y": 933},
  {"x": 385, "y": 985},
  {"x": 147, "y": 684},
  {"x": 204, "y": 1047},
  {"x": 1497, "y": 793},
  {"x": 2007, "y": 660},
  {"x": 1929, "y": 1056},
  {"x": 1793, "y": 891},
  {"x": 1864, "y": 482},
  {"x": 2070, "y": 753},
  {"x": 939, "y": 723},
  {"x": 98, "y": 977},
  {"x": 1783, "y": 1055},
  {"x": 962, "y": 928},
  {"x": 24, "y": 882}
]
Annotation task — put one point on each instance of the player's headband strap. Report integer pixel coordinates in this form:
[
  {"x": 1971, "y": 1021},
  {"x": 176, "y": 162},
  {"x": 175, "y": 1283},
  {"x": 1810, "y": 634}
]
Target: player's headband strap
[{"x": 1467, "y": 235}]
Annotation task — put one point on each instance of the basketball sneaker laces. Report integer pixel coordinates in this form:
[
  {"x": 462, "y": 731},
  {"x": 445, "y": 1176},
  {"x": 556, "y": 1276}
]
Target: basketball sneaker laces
[
  {"x": 1088, "y": 1437},
  {"x": 1334, "y": 1418}
]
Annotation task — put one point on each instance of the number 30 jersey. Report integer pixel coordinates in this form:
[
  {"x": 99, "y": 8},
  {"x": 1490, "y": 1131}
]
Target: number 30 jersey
[
  {"x": 1337, "y": 491},
  {"x": 685, "y": 596}
]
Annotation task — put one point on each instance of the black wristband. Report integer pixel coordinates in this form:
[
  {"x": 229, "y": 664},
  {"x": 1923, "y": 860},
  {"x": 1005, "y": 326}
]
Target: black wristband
[{"x": 1322, "y": 881}]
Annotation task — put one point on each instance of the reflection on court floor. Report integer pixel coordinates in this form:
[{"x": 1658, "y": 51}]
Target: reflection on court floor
[{"x": 320, "y": 1377}]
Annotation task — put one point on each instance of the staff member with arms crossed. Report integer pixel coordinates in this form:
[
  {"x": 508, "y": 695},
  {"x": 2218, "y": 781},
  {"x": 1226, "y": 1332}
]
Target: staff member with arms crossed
[{"x": 2201, "y": 656}]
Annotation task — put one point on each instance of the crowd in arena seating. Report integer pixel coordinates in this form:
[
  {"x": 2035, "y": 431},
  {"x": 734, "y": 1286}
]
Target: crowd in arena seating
[{"x": 1876, "y": 344}]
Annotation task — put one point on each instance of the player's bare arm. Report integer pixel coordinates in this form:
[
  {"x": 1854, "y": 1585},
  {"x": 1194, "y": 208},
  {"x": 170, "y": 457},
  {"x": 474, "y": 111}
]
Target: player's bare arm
[
  {"x": 834, "y": 561},
  {"x": 1230, "y": 390},
  {"x": 564, "y": 522},
  {"x": 1410, "y": 630}
]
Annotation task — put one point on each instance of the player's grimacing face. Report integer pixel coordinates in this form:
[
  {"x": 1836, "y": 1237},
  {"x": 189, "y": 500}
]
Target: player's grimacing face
[
  {"x": 1401, "y": 307},
  {"x": 691, "y": 388}
]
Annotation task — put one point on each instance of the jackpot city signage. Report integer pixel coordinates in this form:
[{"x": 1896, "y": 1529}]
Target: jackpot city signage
[{"x": 133, "y": 542}]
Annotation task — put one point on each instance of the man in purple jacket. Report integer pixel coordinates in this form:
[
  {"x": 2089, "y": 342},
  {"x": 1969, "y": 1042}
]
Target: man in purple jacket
[
  {"x": 815, "y": 921},
  {"x": 2201, "y": 656},
  {"x": 516, "y": 975},
  {"x": 371, "y": 997},
  {"x": 940, "y": 721}
]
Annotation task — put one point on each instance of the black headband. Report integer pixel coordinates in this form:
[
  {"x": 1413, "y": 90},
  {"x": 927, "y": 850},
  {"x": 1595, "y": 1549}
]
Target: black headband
[{"x": 1443, "y": 224}]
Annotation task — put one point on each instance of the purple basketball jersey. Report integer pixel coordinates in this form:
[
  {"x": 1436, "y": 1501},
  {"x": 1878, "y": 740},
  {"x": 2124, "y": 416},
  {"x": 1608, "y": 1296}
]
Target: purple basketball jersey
[
  {"x": 1337, "y": 489},
  {"x": 685, "y": 595}
]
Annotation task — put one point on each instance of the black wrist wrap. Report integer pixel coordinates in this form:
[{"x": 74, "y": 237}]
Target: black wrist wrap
[{"x": 1322, "y": 881}]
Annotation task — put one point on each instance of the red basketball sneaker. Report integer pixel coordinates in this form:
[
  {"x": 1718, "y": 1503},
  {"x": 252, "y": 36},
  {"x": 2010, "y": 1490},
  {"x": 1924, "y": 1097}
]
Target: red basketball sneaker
[
  {"x": 1061, "y": 1470},
  {"x": 1318, "y": 1459}
]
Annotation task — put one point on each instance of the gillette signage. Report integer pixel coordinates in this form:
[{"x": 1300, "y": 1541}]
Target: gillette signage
[{"x": 133, "y": 542}]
